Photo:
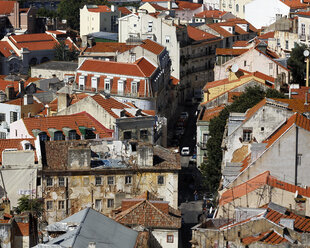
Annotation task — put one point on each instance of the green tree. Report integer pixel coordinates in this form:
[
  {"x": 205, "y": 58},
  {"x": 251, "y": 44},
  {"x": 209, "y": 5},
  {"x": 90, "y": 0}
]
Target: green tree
[
  {"x": 62, "y": 53},
  {"x": 297, "y": 65},
  {"x": 211, "y": 169},
  {"x": 26, "y": 204}
]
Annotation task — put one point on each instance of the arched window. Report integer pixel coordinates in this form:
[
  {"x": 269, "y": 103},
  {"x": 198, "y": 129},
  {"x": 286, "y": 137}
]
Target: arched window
[
  {"x": 72, "y": 135},
  {"x": 43, "y": 136},
  {"x": 237, "y": 7},
  {"x": 58, "y": 135}
]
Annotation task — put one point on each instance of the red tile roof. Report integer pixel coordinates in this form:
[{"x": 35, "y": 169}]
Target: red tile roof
[
  {"x": 6, "y": 83},
  {"x": 211, "y": 14},
  {"x": 22, "y": 229},
  {"x": 152, "y": 46},
  {"x": 141, "y": 68},
  {"x": 208, "y": 114},
  {"x": 124, "y": 10},
  {"x": 34, "y": 42},
  {"x": 184, "y": 5},
  {"x": 295, "y": 4},
  {"x": 101, "y": 47},
  {"x": 99, "y": 8},
  {"x": 270, "y": 237},
  {"x": 198, "y": 35},
  {"x": 6, "y": 7},
  {"x": 158, "y": 7},
  {"x": 241, "y": 43},
  {"x": 296, "y": 105},
  {"x": 300, "y": 93},
  {"x": 266, "y": 36},
  {"x": 74, "y": 121},
  {"x": 13, "y": 144},
  {"x": 174, "y": 80},
  {"x": 230, "y": 51},
  {"x": 6, "y": 49},
  {"x": 148, "y": 213}
]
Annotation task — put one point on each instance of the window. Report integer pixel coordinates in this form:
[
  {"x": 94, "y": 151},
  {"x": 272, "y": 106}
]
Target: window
[
  {"x": 262, "y": 129},
  {"x": 49, "y": 181},
  {"x": 299, "y": 159},
  {"x": 110, "y": 203},
  {"x": 303, "y": 29},
  {"x": 286, "y": 44},
  {"x": 72, "y": 135},
  {"x": 43, "y": 136},
  {"x": 49, "y": 205},
  {"x": 61, "y": 204},
  {"x": 132, "y": 57},
  {"x": 110, "y": 180},
  {"x": 128, "y": 179},
  {"x": 27, "y": 146},
  {"x": 237, "y": 7},
  {"x": 244, "y": 62},
  {"x": 247, "y": 135},
  {"x": 278, "y": 43},
  {"x": 98, "y": 204},
  {"x": 2, "y": 135},
  {"x": 98, "y": 181},
  {"x": 61, "y": 181},
  {"x": 270, "y": 66},
  {"x": 150, "y": 26},
  {"x": 134, "y": 87},
  {"x": 58, "y": 136},
  {"x": 2, "y": 117},
  {"x": 13, "y": 116},
  {"x": 81, "y": 82},
  {"x": 127, "y": 135},
  {"x": 120, "y": 87},
  {"x": 94, "y": 83},
  {"x": 143, "y": 134},
  {"x": 134, "y": 25},
  {"x": 170, "y": 238},
  {"x": 160, "y": 180},
  {"x": 107, "y": 85},
  {"x": 167, "y": 39}
]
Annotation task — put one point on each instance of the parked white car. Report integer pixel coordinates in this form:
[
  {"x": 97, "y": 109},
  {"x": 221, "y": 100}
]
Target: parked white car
[{"x": 185, "y": 151}]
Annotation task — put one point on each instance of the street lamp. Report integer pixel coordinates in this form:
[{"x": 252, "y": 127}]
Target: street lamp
[{"x": 306, "y": 54}]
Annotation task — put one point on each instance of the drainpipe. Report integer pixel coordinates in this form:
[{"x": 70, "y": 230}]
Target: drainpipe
[{"x": 296, "y": 156}]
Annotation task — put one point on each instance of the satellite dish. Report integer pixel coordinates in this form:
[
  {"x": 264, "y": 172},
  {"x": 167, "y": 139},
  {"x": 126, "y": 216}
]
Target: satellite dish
[
  {"x": 306, "y": 53},
  {"x": 234, "y": 68}
]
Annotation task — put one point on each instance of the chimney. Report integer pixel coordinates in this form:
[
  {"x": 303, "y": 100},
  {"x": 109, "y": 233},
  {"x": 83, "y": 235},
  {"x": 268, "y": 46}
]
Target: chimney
[
  {"x": 63, "y": 101},
  {"x": 169, "y": 5},
  {"x": 21, "y": 86},
  {"x": 90, "y": 42},
  {"x": 113, "y": 8},
  {"x": 9, "y": 91},
  {"x": 28, "y": 99}
]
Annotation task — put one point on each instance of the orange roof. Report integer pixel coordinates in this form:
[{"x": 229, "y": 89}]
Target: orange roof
[
  {"x": 74, "y": 121},
  {"x": 157, "y": 7},
  {"x": 6, "y": 7},
  {"x": 198, "y": 35},
  {"x": 230, "y": 51},
  {"x": 270, "y": 237},
  {"x": 99, "y": 8},
  {"x": 184, "y": 5},
  {"x": 297, "y": 105},
  {"x": 23, "y": 229},
  {"x": 12, "y": 144},
  {"x": 101, "y": 47},
  {"x": 208, "y": 114},
  {"x": 300, "y": 93},
  {"x": 266, "y": 36},
  {"x": 241, "y": 43},
  {"x": 6, "y": 49},
  {"x": 211, "y": 14},
  {"x": 152, "y": 46},
  {"x": 34, "y": 42},
  {"x": 141, "y": 68},
  {"x": 174, "y": 80},
  {"x": 294, "y": 4},
  {"x": 124, "y": 10},
  {"x": 250, "y": 112},
  {"x": 232, "y": 95},
  {"x": 303, "y": 13},
  {"x": 5, "y": 83}
]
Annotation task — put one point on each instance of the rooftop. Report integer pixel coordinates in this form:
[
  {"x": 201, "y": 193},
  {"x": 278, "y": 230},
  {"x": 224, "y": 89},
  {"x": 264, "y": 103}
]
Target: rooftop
[
  {"x": 211, "y": 14},
  {"x": 199, "y": 35},
  {"x": 7, "y": 7},
  {"x": 184, "y": 5},
  {"x": 57, "y": 65}
]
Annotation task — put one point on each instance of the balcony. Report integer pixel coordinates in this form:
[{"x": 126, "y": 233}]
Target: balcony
[{"x": 302, "y": 37}]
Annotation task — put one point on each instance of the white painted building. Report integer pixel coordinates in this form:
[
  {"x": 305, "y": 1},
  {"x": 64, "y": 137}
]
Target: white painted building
[
  {"x": 8, "y": 114},
  {"x": 304, "y": 27}
]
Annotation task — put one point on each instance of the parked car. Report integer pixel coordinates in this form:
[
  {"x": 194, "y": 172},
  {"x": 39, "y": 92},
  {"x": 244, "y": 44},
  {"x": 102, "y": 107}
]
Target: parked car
[
  {"x": 185, "y": 151},
  {"x": 184, "y": 116}
]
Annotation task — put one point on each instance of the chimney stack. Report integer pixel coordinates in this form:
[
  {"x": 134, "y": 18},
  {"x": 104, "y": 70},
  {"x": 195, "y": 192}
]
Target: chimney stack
[{"x": 63, "y": 101}]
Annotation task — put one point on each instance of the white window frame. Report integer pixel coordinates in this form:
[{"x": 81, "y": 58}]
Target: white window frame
[
  {"x": 107, "y": 81},
  {"x": 120, "y": 87},
  {"x": 150, "y": 26},
  {"x": 49, "y": 205},
  {"x": 109, "y": 181},
  {"x": 110, "y": 203},
  {"x": 134, "y": 87},
  {"x": 167, "y": 38},
  {"x": 128, "y": 179},
  {"x": 98, "y": 205},
  {"x": 94, "y": 82},
  {"x": 82, "y": 80}
]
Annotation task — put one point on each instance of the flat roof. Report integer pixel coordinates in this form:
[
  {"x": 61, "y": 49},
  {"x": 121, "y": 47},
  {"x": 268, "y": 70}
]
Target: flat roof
[{"x": 58, "y": 65}]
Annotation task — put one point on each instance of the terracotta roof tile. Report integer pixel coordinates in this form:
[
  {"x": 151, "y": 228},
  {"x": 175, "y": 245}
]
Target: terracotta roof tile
[
  {"x": 241, "y": 43},
  {"x": 6, "y": 7},
  {"x": 141, "y": 68},
  {"x": 294, "y": 4},
  {"x": 297, "y": 105},
  {"x": 101, "y": 47},
  {"x": 211, "y": 14},
  {"x": 158, "y": 7},
  {"x": 34, "y": 42},
  {"x": 152, "y": 46},
  {"x": 13, "y": 144},
  {"x": 266, "y": 36},
  {"x": 74, "y": 121},
  {"x": 250, "y": 112},
  {"x": 124, "y": 10},
  {"x": 300, "y": 93},
  {"x": 6, "y": 83},
  {"x": 99, "y": 8},
  {"x": 270, "y": 237},
  {"x": 232, "y": 95},
  {"x": 198, "y": 35},
  {"x": 174, "y": 81},
  {"x": 184, "y": 5},
  {"x": 6, "y": 49},
  {"x": 208, "y": 114},
  {"x": 230, "y": 51}
]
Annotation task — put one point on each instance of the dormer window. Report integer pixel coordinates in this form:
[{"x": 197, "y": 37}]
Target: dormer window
[
  {"x": 107, "y": 85},
  {"x": 82, "y": 80}
]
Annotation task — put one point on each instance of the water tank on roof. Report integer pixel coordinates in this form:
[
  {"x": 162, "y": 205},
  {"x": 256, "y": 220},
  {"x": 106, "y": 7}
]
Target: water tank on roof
[{"x": 2, "y": 96}]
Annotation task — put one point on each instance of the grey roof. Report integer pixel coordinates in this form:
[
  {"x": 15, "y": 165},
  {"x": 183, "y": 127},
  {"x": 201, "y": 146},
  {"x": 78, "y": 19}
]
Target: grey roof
[
  {"x": 57, "y": 65},
  {"x": 88, "y": 226},
  {"x": 105, "y": 35}
]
